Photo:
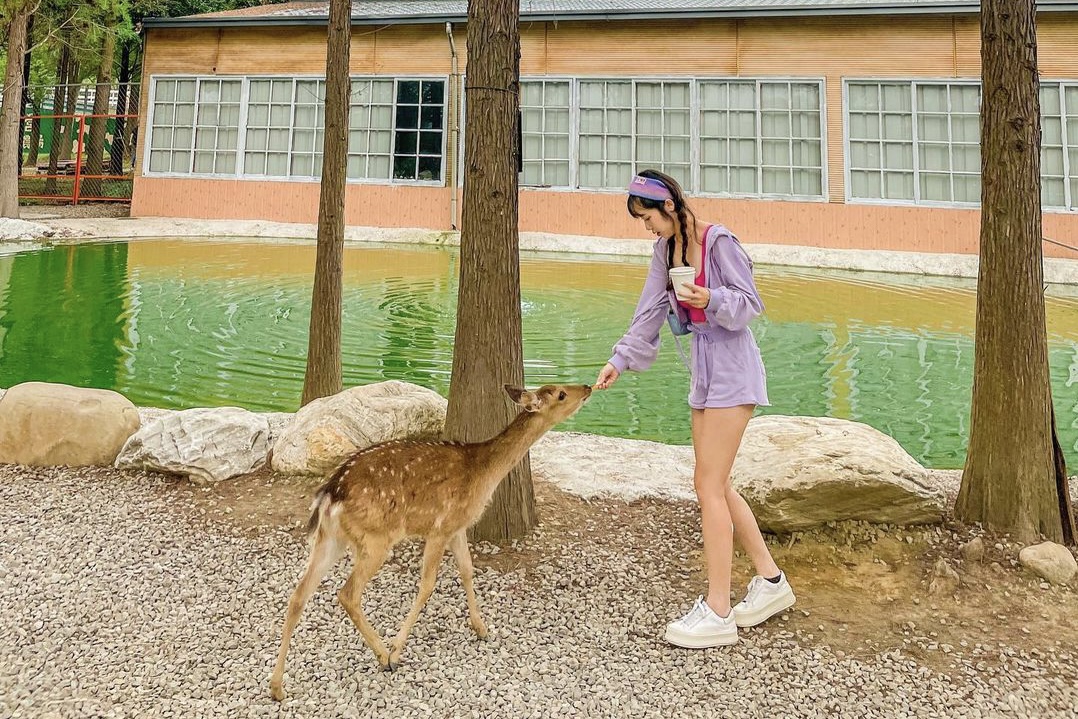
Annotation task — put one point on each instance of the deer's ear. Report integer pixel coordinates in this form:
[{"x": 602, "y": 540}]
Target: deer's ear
[
  {"x": 514, "y": 392},
  {"x": 530, "y": 401}
]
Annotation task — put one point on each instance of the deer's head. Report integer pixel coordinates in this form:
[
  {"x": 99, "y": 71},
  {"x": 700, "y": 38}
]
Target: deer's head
[{"x": 553, "y": 402}]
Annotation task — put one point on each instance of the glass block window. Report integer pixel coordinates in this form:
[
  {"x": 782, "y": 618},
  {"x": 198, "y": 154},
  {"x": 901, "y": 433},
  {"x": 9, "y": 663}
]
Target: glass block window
[
  {"x": 308, "y": 128},
  {"x": 948, "y": 142},
  {"x": 761, "y": 138},
  {"x": 661, "y": 127},
  {"x": 370, "y": 135},
  {"x": 419, "y": 116},
  {"x": 916, "y": 142},
  {"x": 728, "y": 138},
  {"x": 545, "y": 108},
  {"x": 605, "y": 133},
  {"x": 172, "y": 135},
  {"x": 1059, "y": 145},
  {"x": 269, "y": 127},
  {"x": 1070, "y": 112},
  {"x": 217, "y": 127},
  {"x": 791, "y": 139},
  {"x": 880, "y": 125}
]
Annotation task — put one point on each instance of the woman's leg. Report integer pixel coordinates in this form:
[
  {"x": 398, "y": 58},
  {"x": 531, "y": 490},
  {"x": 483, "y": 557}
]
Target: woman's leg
[
  {"x": 716, "y": 436},
  {"x": 748, "y": 534}
]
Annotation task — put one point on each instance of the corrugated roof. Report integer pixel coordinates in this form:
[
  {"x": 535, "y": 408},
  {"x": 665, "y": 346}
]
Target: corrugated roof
[{"x": 373, "y": 11}]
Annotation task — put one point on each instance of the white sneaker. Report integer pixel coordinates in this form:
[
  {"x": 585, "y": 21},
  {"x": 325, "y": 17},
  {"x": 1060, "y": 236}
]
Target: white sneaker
[
  {"x": 763, "y": 600},
  {"x": 702, "y": 628}
]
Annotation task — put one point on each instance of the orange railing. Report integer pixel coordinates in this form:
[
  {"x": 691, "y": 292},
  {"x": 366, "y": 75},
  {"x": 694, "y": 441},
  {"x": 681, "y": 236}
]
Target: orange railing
[{"x": 69, "y": 180}]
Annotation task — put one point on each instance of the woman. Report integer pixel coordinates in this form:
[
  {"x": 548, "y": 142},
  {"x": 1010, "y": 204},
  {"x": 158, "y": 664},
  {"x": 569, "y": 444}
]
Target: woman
[{"x": 727, "y": 384}]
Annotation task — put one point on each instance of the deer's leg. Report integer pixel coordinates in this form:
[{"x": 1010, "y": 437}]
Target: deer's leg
[
  {"x": 370, "y": 556},
  {"x": 324, "y": 555},
  {"x": 432, "y": 557},
  {"x": 459, "y": 546}
]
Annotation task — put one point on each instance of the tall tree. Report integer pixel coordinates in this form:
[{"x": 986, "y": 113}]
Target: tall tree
[
  {"x": 1014, "y": 478},
  {"x": 119, "y": 135},
  {"x": 95, "y": 141},
  {"x": 323, "y": 376},
  {"x": 487, "y": 351},
  {"x": 63, "y": 61},
  {"x": 25, "y": 104},
  {"x": 17, "y": 14}
]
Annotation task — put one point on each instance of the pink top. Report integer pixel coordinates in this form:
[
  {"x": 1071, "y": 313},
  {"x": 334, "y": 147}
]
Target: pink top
[{"x": 696, "y": 314}]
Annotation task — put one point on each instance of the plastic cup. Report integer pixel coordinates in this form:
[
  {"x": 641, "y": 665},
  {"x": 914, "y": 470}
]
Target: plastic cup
[{"x": 679, "y": 276}]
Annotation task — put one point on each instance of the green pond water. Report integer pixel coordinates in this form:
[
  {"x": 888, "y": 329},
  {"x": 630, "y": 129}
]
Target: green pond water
[{"x": 193, "y": 323}]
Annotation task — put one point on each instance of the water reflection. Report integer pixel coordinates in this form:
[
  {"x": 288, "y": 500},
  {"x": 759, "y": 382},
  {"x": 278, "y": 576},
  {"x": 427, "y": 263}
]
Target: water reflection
[
  {"x": 190, "y": 323},
  {"x": 63, "y": 315}
]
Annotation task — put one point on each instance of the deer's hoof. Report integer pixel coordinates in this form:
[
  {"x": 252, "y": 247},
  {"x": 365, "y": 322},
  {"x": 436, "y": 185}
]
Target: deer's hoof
[
  {"x": 390, "y": 666},
  {"x": 481, "y": 631},
  {"x": 277, "y": 691}
]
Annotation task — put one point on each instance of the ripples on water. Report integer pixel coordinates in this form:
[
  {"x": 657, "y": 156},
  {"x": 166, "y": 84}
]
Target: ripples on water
[{"x": 197, "y": 323}]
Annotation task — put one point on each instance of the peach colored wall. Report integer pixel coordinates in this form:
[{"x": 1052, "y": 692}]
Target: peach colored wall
[
  {"x": 366, "y": 205},
  {"x": 819, "y": 224},
  {"x": 599, "y": 214}
]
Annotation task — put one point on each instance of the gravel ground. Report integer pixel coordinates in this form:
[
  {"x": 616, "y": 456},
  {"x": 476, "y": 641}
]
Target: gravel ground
[
  {"x": 93, "y": 209},
  {"x": 118, "y": 598}
]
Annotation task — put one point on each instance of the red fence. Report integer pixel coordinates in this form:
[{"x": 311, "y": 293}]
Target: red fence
[{"x": 60, "y": 163}]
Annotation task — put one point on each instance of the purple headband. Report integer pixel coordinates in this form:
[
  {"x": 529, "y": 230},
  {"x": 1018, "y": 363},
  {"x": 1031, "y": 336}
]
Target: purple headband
[{"x": 649, "y": 188}]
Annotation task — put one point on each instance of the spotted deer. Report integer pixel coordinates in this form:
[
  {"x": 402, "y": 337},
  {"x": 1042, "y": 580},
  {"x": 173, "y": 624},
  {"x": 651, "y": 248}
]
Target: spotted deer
[{"x": 399, "y": 489}]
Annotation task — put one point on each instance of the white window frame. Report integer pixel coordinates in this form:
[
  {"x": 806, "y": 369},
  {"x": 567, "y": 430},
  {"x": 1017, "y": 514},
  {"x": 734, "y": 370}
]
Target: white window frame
[
  {"x": 1072, "y": 202},
  {"x": 241, "y": 142},
  {"x": 148, "y": 142},
  {"x": 441, "y": 182},
  {"x": 570, "y": 81},
  {"x": 1070, "y": 173},
  {"x": 913, "y": 83},
  {"x": 694, "y": 138},
  {"x": 575, "y": 129},
  {"x": 821, "y": 82}
]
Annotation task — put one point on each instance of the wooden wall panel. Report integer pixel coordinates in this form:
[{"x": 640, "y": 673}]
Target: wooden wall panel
[
  {"x": 1057, "y": 45},
  {"x": 847, "y": 46},
  {"x": 967, "y": 38},
  {"x": 413, "y": 49},
  {"x": 693, "y": 47}
]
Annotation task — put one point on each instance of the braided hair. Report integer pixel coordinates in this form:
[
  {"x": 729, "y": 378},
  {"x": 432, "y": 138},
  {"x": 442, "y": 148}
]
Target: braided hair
[{"x": 636, "y": 205}]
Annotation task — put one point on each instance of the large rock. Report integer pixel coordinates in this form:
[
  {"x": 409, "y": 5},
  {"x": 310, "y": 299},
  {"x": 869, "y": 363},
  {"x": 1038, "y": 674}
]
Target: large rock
[
  {"x": 328, "y": 430},
  {"x": 799, "y": 472},
  {"x": 48, "y": 424},
  {"x": 205, "y": 444},
  {"x": 1052, "y": 561},
  {"x": 795, "y": 472},
  {"x": 277, "y": 420},
  {"x": 590, "y": 465},
  {"x": 14, "y": 229}
]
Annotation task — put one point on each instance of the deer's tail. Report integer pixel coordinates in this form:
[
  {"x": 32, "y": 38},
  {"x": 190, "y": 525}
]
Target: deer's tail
[{"x": 323, "y": 518}]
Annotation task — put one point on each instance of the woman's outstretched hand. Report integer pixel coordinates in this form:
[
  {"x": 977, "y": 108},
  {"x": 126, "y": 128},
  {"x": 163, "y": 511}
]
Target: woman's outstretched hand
[{"x": 607, "y": 376}]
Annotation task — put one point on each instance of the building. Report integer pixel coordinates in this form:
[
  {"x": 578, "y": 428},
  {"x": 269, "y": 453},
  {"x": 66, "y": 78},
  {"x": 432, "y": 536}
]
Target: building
[{"x": 833, "y": 123}]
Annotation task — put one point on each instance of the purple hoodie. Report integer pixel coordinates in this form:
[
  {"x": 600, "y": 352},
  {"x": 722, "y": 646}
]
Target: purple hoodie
[{"x": 726, "y": 365}]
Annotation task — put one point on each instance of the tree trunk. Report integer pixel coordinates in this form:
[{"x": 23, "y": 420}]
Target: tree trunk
[
  {"x": 72, "y": 86},
  {"x": 35, "y": 138},
  {"x": 1009, "y": 483},
  {"x": 130, "y": 144},
  {"x": 95, "y": 143},
  {"x": 25, "y": 87},
  {"x": 119, "y": 148},
  {"x": 323, "y": 377},
  {"x": 10, "y": 135},
  {"x": 487, "y": 351},
  {"x": 56, "y": 124}
]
